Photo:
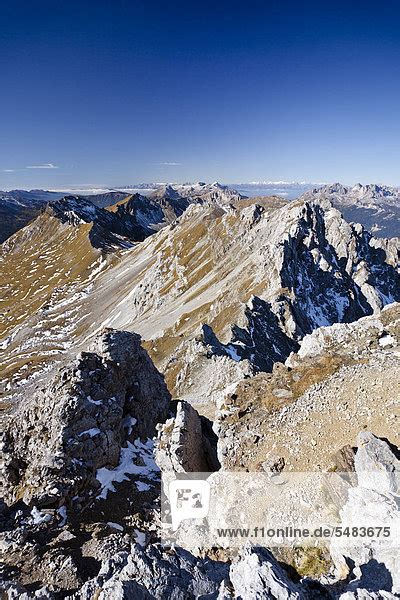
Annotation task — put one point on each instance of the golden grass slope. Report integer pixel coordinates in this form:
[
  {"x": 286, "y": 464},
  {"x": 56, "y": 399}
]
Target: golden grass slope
[{"x": 46, "y": 270}]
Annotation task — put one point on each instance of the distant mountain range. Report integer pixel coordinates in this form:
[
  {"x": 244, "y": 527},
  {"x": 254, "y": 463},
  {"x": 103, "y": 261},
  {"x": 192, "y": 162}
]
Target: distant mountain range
[
  {"x": 377, "y": 207},
  {"x": 286, "y": 189},
  {"x": 165, "y": 202},
  {"x": 19, "y": 207}
]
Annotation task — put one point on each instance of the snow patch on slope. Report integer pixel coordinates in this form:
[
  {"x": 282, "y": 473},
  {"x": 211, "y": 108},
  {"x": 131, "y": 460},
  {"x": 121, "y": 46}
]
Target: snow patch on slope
[{"x": 135, "y": 459}]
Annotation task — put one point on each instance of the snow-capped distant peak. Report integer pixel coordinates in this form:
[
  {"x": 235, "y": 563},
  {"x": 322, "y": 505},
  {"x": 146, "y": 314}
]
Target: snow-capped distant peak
[
  {"x": 198, "y": 192},
  {"x": 376, "y": 206},
  {"x": 360, "y": 192}
]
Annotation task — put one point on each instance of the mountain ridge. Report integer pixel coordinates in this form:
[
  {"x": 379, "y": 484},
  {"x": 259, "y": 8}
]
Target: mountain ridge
[
  {"x": 375, "y": 206},
  {"x": 231, "y": 269},
  {"x": 230, "y": 335}
]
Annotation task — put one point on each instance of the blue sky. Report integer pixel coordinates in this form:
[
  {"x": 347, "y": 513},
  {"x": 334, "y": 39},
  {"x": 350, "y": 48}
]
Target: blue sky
[{"x": 113, "y": 93}]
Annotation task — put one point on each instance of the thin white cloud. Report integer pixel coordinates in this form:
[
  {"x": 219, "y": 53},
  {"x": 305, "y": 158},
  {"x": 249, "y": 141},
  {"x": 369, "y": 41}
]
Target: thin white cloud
[
  {"x": 44, "y": 166},
  {"x": 170, "y": 164},
  {"x": 9, "y": 170}
]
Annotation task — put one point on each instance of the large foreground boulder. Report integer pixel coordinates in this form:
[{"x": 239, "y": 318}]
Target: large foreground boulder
[
  {"x": 373, "y": 503},
  {"x": 57, "y": 439},
  {"x": 256, "y": 574},
  {"x": 186, "y": 443},
  {"x": 156, "y": 574}
]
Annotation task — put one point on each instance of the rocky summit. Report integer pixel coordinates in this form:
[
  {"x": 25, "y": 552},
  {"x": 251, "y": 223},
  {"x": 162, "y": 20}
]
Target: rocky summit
[
  {"x": 147, "y": 338},
  {"x": 55, "y": 444}
]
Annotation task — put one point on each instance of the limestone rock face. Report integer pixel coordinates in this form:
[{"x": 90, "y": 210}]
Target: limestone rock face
[
  {"x": 348, "y": 371},
  {"x": 376, "y": 564},
  {"x": 257, "y": 574},
  {"x": 380, "y": 331},
  {"x": 254, "y": 574},
  {"x": 14, "y": 591},
  {"x": 154, "y": 574},
  {"x": 183, "y": 444},
  {"x": 205, "y": 373},
  {"x": 57, "y": 439},
  {"x": 376, "y": 465},
  {"x": 363, "y": 594}
]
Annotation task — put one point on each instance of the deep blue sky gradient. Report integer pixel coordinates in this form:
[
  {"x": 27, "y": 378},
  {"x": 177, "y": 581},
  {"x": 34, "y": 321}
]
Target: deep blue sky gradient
[{"x": 109, "y": 92}]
